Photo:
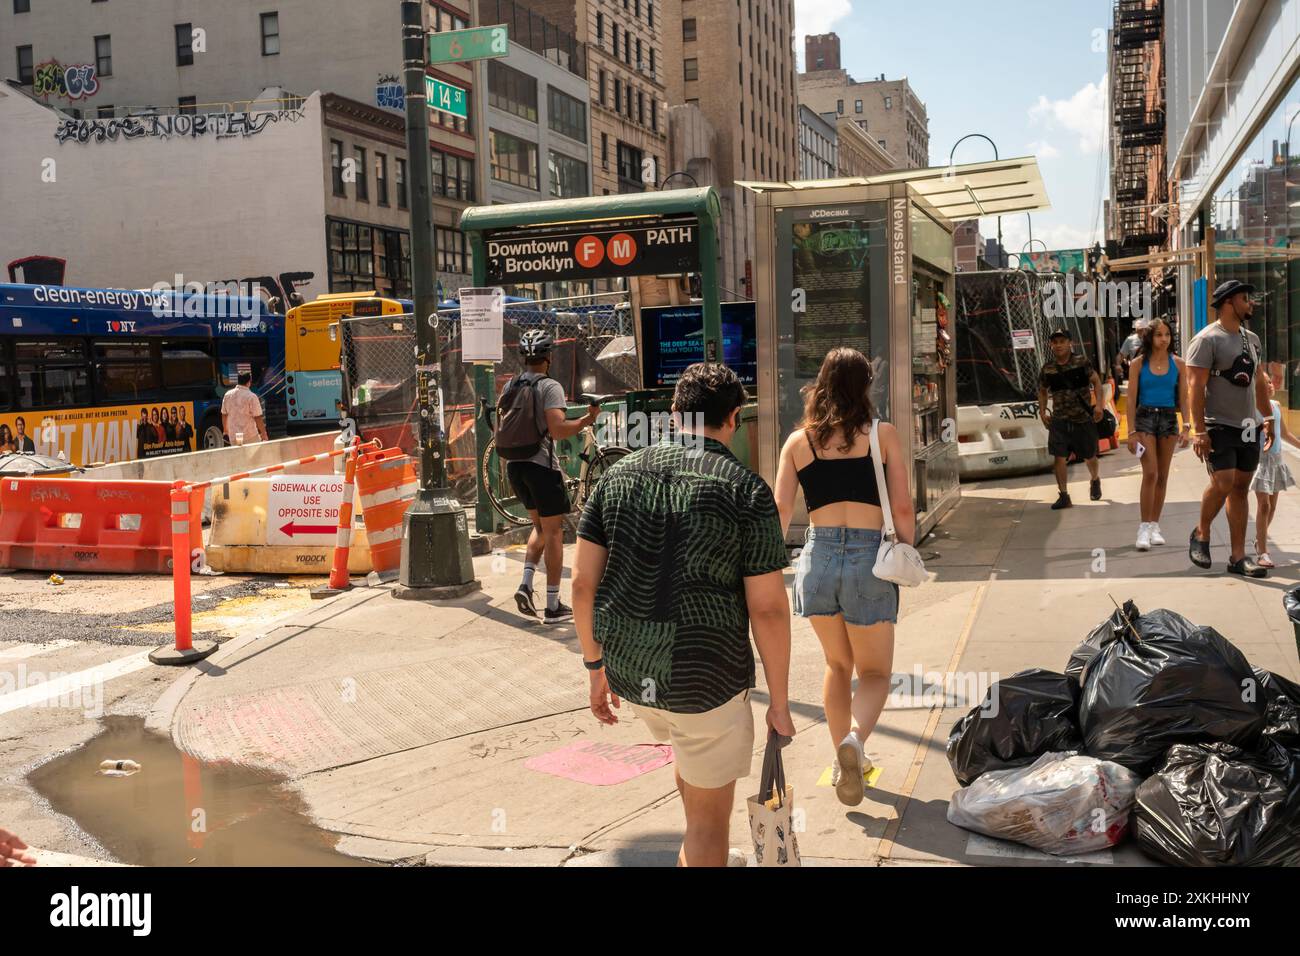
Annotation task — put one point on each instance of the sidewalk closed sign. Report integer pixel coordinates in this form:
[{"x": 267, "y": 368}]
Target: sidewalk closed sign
[
  {"x": 482, "y": 317},
  {"x": 1022, "y": 339},
  {"x": 304, "y": 510}
]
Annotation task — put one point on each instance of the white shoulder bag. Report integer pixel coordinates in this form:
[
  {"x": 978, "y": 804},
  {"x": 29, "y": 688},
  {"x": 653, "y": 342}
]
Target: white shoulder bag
[{"x": 896, "y": 562}]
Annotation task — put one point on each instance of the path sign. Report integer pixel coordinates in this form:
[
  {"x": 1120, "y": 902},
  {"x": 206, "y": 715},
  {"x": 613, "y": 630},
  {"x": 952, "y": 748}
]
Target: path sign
[
  {"x": 477, "y": 43},
  {"x": 304, "y": 510},
  {"x": 609, "y": 250},
  {"x": 445, "y": 97}
]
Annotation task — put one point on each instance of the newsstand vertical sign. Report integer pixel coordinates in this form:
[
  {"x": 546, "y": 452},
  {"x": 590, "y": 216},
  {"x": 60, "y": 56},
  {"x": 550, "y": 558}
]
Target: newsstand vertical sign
[{"x": 612, "y": 250}]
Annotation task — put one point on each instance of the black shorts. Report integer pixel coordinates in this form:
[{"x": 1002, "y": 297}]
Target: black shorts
[
  {"x": 1072, "y": 438},
  {"x": 539, "y": 488},
  {"x": 1230, "y": 450}
]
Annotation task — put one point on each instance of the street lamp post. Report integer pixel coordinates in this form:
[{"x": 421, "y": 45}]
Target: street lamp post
[
  {"x": 1001, "y": 252},
  {"x": 436, "y": 560}
]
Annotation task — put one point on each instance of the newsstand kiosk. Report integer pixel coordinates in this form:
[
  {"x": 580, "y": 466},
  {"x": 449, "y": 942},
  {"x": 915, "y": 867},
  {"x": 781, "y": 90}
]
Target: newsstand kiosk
[{"x": 868, "y": 266}]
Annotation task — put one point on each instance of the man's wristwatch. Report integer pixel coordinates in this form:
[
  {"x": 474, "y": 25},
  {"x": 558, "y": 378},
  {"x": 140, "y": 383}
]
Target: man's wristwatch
[{"x": 594, "y": 665}]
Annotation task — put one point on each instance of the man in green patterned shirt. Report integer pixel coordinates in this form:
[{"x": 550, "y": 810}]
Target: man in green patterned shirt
[{"x": 679, "y": 553}]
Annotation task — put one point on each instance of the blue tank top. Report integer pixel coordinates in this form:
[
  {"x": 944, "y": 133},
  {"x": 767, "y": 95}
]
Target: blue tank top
[{"x": 1157, "y": 391}]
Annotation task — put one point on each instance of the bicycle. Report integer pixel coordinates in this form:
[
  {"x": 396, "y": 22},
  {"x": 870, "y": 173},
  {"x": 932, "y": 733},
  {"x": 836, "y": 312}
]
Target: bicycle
[{"x": 596, "y": 459}]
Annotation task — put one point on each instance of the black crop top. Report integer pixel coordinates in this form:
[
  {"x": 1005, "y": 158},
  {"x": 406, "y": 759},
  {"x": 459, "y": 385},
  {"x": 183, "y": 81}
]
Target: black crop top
[{"x": 828, "y": 481}]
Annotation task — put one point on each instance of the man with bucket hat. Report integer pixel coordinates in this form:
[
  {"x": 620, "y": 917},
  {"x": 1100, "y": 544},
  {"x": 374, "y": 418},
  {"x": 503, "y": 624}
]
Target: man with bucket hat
[{"x": 1231, "y": 421}]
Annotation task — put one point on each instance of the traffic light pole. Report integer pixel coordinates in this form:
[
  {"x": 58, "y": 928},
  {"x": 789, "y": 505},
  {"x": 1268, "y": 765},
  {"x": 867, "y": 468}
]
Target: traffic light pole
[{"x": 436, "y": 560}]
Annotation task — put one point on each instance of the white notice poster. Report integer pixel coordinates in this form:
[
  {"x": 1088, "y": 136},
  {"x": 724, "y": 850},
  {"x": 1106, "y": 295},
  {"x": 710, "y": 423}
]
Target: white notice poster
[{"x": 482, "y": 315}]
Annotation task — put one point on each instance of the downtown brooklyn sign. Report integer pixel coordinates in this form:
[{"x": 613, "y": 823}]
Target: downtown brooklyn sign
[{"x": 609, "y": 249}]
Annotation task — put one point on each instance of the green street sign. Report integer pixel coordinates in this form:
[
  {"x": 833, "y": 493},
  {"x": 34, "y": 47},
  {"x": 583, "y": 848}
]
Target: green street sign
[
  {"x": 445, "y": 97},
  {"x": 477, "y": 43}
]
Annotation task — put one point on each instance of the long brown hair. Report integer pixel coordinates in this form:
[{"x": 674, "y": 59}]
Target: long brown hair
[
  {"x": 839, "y": 399},
  {"x": 1148, "y": 338}
]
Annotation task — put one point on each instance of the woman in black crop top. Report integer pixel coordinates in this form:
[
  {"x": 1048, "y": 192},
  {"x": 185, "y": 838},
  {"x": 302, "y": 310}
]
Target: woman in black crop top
[{"x": 850, "y": 609}]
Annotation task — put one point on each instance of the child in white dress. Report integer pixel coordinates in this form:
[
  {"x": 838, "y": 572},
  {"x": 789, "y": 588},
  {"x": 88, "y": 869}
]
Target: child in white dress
[{"x": 1271, "y": 478}]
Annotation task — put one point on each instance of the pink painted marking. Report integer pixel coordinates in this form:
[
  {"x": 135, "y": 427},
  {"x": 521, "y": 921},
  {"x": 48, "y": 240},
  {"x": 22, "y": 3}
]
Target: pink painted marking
[{"x": 601, "y": 765}]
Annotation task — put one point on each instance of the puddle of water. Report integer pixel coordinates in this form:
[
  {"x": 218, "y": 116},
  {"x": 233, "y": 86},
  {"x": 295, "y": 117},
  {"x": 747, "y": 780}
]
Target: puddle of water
[{"x": 177, "y": 811}]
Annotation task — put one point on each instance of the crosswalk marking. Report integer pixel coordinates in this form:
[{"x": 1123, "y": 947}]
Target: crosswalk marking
[{"x": 31, "y": 650}]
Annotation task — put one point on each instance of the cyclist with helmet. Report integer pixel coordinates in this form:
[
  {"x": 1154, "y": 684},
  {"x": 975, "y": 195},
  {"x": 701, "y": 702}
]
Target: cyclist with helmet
[{"x": 538, "y": 481}]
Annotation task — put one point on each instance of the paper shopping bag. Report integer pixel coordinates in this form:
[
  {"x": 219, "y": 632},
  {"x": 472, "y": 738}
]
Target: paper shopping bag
[{"x": 771, "y": 811}]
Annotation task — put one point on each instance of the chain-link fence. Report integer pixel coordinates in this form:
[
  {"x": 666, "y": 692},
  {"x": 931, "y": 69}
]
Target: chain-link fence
[
  {"x": 1004, "y": 319},
  {"x": 595, "y": 352}
]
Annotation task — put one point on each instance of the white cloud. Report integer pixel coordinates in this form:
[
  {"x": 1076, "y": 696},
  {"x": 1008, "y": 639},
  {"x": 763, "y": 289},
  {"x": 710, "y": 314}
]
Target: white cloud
[
  {"x": 817, "y": 16},
  {"x": 1083, "y": 114},
  {"x": 1043, "y": 149}
]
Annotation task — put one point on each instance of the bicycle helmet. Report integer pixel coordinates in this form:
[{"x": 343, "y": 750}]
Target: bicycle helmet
[{"x": 536, "y": 343}]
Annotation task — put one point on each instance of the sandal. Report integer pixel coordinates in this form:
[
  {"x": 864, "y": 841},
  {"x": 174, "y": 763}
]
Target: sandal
[
  {"x": 1198, "y": 551},
  {"x": 1264, "y": 561}
]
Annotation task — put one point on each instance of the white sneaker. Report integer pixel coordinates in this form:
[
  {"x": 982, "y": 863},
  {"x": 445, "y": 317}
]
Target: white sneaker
[
  {"x": 1156, "y": 537},
  {"x": 1144, "y": 537},
  {"x": 848, "y": 758}
]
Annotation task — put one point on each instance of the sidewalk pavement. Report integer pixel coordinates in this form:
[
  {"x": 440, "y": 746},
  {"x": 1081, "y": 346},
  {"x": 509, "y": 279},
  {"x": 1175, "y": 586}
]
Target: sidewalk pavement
[{"x": 406, "y": 726}]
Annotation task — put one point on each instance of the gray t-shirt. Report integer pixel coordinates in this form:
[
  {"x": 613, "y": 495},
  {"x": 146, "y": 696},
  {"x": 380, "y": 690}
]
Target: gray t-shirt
[
  {"x": 1214, "y": 347},
  {"x": 550, "y": 394}
]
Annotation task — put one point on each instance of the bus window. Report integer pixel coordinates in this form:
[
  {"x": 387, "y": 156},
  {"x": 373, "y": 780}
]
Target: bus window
[
  {"x": 52, "y": 373},
  {"x": 243, "y": 355},
  {"x": 187, "y": 365},
  {"x": 6, "y": 378},
  {"x": 125, "y": 371}
]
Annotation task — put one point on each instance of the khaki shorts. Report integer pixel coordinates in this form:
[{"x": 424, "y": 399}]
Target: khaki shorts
[{"x": 711, "y": 749}]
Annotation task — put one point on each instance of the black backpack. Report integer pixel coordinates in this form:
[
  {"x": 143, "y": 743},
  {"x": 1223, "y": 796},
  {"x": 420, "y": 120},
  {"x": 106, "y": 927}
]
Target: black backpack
[{"x": 520, "y": 429}]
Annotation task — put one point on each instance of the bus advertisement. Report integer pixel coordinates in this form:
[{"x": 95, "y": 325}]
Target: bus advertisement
[{"x": 105, "y": 375}]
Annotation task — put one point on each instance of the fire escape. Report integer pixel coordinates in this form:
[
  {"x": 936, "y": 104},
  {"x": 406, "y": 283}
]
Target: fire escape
[{"x": 1138, "y": 116}]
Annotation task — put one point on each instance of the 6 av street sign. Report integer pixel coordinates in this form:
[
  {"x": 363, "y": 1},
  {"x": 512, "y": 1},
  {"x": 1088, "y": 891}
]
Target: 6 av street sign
[
  {"x": 445, "y": 97},
  {"x": 477, "y": 43}
]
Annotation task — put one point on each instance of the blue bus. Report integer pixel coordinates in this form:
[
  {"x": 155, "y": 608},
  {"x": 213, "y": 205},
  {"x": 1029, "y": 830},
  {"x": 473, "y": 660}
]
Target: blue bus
[{"x": 103, "y": 375}]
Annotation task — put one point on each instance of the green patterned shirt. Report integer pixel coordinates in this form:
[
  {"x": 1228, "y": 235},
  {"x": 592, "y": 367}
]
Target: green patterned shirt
[{"x": 684, "y": 527}]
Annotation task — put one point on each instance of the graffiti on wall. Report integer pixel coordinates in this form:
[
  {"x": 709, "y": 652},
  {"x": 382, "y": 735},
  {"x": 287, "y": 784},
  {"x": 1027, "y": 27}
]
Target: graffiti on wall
[
  {"x": 76, "y": 82},
  {"x": 217, "y": 125},
  {"x": 389, "y": 92}
]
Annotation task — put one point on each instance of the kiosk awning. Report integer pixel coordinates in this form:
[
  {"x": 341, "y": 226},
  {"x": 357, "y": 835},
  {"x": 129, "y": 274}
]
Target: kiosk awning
[{"x": 965, "y": 191}]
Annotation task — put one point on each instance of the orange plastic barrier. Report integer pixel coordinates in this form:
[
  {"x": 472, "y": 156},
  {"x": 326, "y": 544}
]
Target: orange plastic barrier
[
  {"x": 386, "y": 485},
  {"x": 78, "y": 524}
]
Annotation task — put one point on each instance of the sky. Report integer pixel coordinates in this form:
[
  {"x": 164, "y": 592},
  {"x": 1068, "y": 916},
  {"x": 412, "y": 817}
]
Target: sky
[{"x": 1029, "y": 74}]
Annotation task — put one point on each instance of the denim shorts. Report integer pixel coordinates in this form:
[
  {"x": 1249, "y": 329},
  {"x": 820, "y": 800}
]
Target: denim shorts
[
  {"x": 834, "y": 576},
  {"x": 1157, "y": 422}
]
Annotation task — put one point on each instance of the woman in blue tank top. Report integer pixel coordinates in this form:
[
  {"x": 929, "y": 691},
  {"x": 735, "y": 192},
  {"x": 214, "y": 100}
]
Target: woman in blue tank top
[{"x": 1157, "y": 392}]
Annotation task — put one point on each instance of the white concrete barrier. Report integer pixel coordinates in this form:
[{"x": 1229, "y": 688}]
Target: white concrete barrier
[{"x": 1006, "y": 439}]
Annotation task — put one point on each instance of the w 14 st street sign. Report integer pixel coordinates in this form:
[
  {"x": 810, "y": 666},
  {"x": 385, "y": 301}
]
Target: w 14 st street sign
[
  {"x": 476, "y": 43},
  {"x": 445, "y": 97}
]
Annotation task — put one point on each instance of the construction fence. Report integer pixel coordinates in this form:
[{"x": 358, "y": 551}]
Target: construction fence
[{"x": 595, "y": 352}]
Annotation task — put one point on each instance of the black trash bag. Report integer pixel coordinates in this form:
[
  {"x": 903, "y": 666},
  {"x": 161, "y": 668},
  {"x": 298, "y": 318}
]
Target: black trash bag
[
  {"x": 1101, "y": 635},
  {"x": 1022, "y": 717},
  {"x": 1291, "y": 601},
  {"x": 1172, "y": 683},
  {"x": 1282, "y": 708},
  {"x": 1217, "y": 805}
]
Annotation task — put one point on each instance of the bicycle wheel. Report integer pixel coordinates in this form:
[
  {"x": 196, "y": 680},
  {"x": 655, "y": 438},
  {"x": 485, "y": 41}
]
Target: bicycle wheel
[
  {"x": 605, "y": 459},
  {"x": 500, "y": 492}
]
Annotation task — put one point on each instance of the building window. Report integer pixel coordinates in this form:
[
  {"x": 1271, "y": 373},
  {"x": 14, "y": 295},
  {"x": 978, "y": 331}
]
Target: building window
[
  {"x": 601, "y": 89},
  {"x": 857, "y": 106},
  {"x": 22, "y": 6},
  {"x": 187, "y": 104},
  {"x": 654, "y": 114},
  {"x": 453, "y": 176},
  {"x": 600, "y": 30},
  {"x": 336, "y": 167},
  {"x": 889, "y": 102},
  {"x": 839, "y": 107},
  {"x": 629, "y": 168},
  {"x": 512, "y": 91},
  {"x": 568, "y": 176},
  {"x": 566, "y": 115},
  {"x": 104, "y": 55},
  {"x": 604, "y": 152},
  {"x": 363, "y": 175},
  {"x": 618, "y": 95},
  {"x": 691, "y": 69},
  {"x": 381, "y": 179},
  {"x": 650, "y": 13},
  {"x": 365, "y": 257},
  {"x": 882, "y": 144},
  {"x": 689, "y": 29},
  {"x": 453, "y": 254},
  {"x": 514, "y": 160},
  {"x": 652, "y": 63},
  {"x": 400, "y": 183},
  {"x": 184, "y": 44},
  {"x": 25, "y": 66},
  {"x": 640, "y": 62},
  {"x": 270, "y": 34}
]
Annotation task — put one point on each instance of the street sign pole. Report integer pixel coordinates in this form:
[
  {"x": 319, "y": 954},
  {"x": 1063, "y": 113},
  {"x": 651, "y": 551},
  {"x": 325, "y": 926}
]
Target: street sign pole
[{"x": 436, "y": 560}]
